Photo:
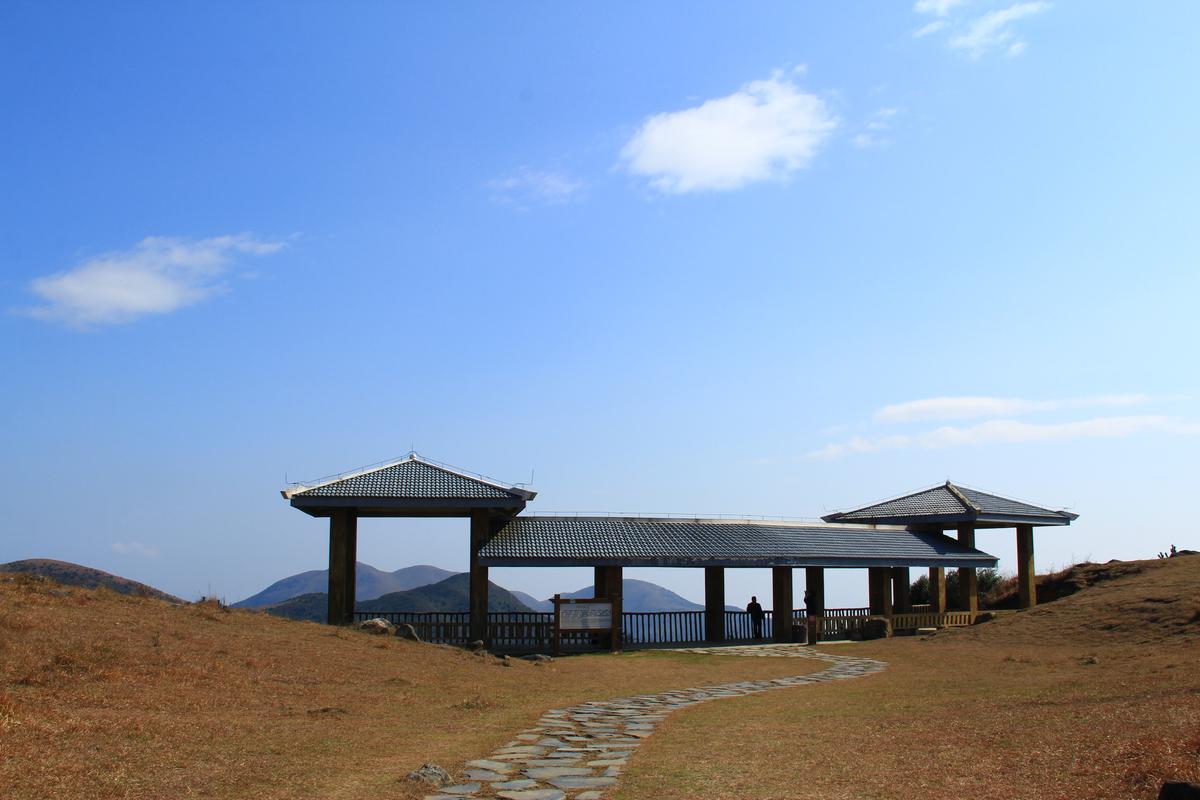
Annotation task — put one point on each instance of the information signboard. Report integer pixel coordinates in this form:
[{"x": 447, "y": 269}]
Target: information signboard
[{"x": 586, "y": 615}]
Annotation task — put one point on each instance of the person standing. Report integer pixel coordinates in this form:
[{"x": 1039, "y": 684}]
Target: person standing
[{"x": 756, "y": 616}]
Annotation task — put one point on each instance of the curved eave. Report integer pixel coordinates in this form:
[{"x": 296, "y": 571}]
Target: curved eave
[{"x": 403, "y": 507}]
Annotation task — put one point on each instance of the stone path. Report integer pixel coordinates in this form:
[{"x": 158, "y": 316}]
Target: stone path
[{"x": 580, "y": 751}]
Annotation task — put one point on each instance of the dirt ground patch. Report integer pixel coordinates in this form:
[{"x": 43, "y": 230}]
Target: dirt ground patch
[
  {"x": 1096, "y": 695},
  {"x": 109, "y": 696}
]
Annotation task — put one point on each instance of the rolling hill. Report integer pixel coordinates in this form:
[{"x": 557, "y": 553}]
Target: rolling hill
[
  {"x": 369, "y": 584},
  {"x": 69, "y": 574},
  {"x": 450, "y": 594}
]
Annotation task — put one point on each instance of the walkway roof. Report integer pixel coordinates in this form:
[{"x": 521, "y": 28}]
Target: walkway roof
[
  {"x": 652, "y": 542},
  {"x": 412, "y": 486},
  {"x": 947, "y": 505}
]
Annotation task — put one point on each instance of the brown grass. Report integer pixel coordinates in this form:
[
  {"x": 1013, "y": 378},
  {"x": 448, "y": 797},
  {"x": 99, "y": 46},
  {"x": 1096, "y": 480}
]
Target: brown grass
[
  {"x": 105, "y": 695},
  {"x": 1096, "y": 695}
]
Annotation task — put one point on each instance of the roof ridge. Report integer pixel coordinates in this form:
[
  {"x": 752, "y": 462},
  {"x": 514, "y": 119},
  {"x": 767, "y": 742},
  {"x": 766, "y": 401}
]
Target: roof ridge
[
  {"x": 412, "y": 457},
  {"x": 962, "y": 498}
]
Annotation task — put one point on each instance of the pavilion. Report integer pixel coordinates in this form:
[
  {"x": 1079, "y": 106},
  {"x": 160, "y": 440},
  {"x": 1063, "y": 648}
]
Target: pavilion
[{"x": 886, "y": 538}]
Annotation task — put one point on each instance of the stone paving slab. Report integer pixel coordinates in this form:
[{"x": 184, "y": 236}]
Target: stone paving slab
[{"x": 574, "y": 753}]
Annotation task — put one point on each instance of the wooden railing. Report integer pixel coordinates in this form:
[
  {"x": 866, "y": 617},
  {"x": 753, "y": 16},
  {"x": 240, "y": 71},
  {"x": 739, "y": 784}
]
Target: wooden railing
[
  {"x": 651, "y": 627},
  {"x": 535, "y": 630},
  {"x": 928, "y": 619}
]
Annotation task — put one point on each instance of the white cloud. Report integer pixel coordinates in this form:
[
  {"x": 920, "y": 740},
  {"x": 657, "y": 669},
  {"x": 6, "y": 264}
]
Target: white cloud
[
  {"x": 994, "y": 30},
  {"x": 1007, "y": 431},
  {"x": 135, "y": 548},
  {"x": 928, "y": 28},
  {"x": 158, "y": 275},
  {"x": 875, "y": 129},
  {"x": 935, "y": 408},
  {"x": 527, "y": 185},
  {"x": 766, "y": 130},
  {"x": 938, "y": 8}
]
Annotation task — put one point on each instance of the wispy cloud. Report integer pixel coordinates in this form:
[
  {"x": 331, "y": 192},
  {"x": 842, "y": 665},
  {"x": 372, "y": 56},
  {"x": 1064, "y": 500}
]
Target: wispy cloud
[
  {"x": 766, "y": 130},
  {"x": 874, "y": 132},
  {"x": 938, "y": 8},
  {"x": 157, "y": 275},
  {"x": 977, "y": 36},
  {"x": 527, "y": 186},
  {"x": 135, "y": 548},
  {"x": 1009, "y": 431},
  {"x": 948, "y": 408},
  {"x": 995, "y": 30}
]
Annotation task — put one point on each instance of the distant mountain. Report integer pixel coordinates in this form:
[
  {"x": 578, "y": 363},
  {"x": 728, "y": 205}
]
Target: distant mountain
[
  {"x": 451, "y": 594},
  {"x": 644, "y": 596},
  {"x": 369, "y": 583},
  {"x": 69, "y": 574},
  {"x": 533, "y": 602}
]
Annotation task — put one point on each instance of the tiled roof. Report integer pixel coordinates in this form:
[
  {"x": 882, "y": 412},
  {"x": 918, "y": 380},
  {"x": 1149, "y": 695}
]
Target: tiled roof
[
  {"x": 411, "y": 478},
  {"x": 950, "y": 503},
  {"x": 635, "y": 541}
]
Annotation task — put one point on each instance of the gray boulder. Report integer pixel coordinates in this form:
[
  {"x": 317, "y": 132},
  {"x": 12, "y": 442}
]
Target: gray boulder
[
  {"x": 378, "y": 625},
  {"x": 876, "y": 628},
  {"x": 431, "y": 774}
]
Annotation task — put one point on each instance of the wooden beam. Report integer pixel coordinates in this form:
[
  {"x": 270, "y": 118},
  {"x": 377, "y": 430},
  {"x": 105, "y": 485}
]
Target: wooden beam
[
  {"x": 341, "y": 564},
  {"x": 937, "y": 590},
  {"x": 1026, "y": 583},
  {"x": 481, "y": 530},
  {"x": 968, "y": 581},
  {"x": 714, "y": 604},
  {"x": 781, "y": 604},
  {"x": 901, "y": 590}
]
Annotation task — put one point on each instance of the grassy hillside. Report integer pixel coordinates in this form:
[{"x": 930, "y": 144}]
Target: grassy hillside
[
  {"x": 105, "y": 695},
  {"x": 69, "y": 574},
  {"x": 369, "y": 583},
  {"x": 1094, "y": 695}
]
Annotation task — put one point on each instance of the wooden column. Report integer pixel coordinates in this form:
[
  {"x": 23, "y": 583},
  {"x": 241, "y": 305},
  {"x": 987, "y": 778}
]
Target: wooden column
[
  {"x": 343, "y": 546},
  {"x": 814, "y": 603},
  {"x": 781, "y": 604},
  {"x": 879, "y": 586},
  {"x": 968, "y": 583},
  {"x": 1026, "y": 583},
  {"x": 901, "y": 591},
  {"x": 481, "y": 525},
  {"x": 610, "y": 583},
  {"x": 937, "y": 590},
  {"x": 714, "y": 604}
]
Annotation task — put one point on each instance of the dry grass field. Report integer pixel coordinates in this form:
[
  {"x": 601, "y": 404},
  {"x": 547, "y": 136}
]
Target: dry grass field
[
  {"x": 109, "y": 696},
  {"x": 1096, "y": 695}
]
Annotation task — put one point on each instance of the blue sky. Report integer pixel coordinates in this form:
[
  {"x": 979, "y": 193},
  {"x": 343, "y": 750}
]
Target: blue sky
[{"x": 770, "y": 259}]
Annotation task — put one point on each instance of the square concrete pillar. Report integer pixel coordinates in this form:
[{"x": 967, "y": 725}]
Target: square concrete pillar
[
  {"x": 1026, "y": 582},
  {"x": 781, "y": 604},
  {"x": 714, "y": 604},
  {"x": 610, "y": 584},
  {"x": 343, "y": 547},
  {"x": 481, "y": 531},
  {"x": 937, "y": 590},
  {"x": 901, "y": 591},
  {"x": 814, "y": 602},
  {"x": 968, "y": 581}
]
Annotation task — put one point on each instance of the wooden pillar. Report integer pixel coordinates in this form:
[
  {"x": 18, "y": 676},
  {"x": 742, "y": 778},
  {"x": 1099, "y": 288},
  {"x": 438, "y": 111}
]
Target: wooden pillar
[
  {"x": 901, "y": 590},
  {"x": 937, "y": 590},
  {"x": 714, "y": 604},
  {"x": 1026, "y": 583},
  {"x": 481, "y": 525},
  {"x": 814, "y": 601},
  {"x": 610, "y": 583},
  {"x": 968, "y": 582},
  {"x": 879, "y": 590},
  {"x": 343, "y": 546},
  {"x": 781, "y": 604}
]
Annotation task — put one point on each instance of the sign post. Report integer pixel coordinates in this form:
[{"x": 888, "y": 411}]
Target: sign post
[{"x": 586, "y": 615}]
